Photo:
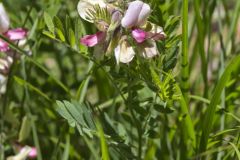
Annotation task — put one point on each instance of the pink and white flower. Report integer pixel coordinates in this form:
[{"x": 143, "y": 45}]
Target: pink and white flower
[
  {"x": 11, "y": 34},
  {"x": 24, "y": 153},
  {"x": 33, "y": 153},
  {"x": 86, "y": 10},
  {"x": 135, "y": 19}
]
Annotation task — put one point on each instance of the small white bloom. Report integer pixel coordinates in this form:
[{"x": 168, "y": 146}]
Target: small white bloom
[
  {"x": 3, "y": 64},
  {"x": 4, "y": 19},
  {"x": 124, "y": 52}
]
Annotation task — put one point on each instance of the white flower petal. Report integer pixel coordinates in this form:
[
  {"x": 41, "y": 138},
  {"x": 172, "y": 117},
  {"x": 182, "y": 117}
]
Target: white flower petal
[
  {"x": 4, "y": 19},
  {"x": 117, "y": 54},
  {"x": 149, "y": 49},
  {"x": 124, "y": 52},
  {"x": 3, "y": 64},
  {"x": 85, "y": 5}
]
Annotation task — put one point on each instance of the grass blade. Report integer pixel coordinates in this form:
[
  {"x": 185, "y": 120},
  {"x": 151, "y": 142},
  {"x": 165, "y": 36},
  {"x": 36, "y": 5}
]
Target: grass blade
[
  {"x": 210, "y": 112},
  {"x": 104, "y": 147},
  {"x": 200, "y": 41},
  {"x": 67, "y": 148},
  {"x": 236, "y": 149},
  {"x": 187, "y": 122}
]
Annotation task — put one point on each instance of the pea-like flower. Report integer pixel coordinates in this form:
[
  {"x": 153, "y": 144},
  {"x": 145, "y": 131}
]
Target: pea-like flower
[
  {"x": 11, "y": 34},
  {"x": 134, "y": 21},
  {"x": 103, "y": 15}
]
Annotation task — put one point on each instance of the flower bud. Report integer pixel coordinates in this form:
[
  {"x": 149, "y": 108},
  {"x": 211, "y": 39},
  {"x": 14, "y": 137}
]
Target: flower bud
[
  {"x": 4, "y": 19},
  {"x": 94, "y": 39},
  {"x": 116, "y": 16}
]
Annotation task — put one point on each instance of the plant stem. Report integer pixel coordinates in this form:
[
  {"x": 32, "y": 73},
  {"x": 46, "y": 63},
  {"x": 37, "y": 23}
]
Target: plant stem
[
  {"x": 222, "y": 62},
  {"x": 137, "y": 124},
  {"x": 185, "y": 63},
  {"x": 200, "y": 41}
]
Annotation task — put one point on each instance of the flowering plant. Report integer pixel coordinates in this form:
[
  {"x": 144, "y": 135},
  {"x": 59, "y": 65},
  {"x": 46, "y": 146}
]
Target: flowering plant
[
  {"x": 125, "y": 25},
  {"x": 119, "y": 79}
]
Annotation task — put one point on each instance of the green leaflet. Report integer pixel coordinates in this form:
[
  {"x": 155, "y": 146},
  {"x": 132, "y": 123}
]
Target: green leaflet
[{"x": 49, "y": 22}]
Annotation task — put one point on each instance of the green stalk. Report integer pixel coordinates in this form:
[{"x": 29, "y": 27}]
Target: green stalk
[
  {"x": 200, "y": 41},
  {"x": 187, "y": 124},
  {"x": 233, "y": 27},
  {"x": 185, "y": 63},
  {"x": 222, "y": 63}
]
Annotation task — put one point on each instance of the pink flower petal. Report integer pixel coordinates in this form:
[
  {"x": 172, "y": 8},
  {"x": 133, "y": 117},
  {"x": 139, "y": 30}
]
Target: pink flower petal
[
  {"x": 27, "y": 151},
  {"x": 139, "y": 35},
  {"x": 16, "y": 34},
  {"x": 33, "y": 153},
  {"x": 94, "y": 39},
  {"x": 3, "y": 46}
]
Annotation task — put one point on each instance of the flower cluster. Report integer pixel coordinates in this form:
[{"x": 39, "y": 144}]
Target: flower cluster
[
  {"x": 13, "y": 35},
  {"x": 118, "y": 27}
]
